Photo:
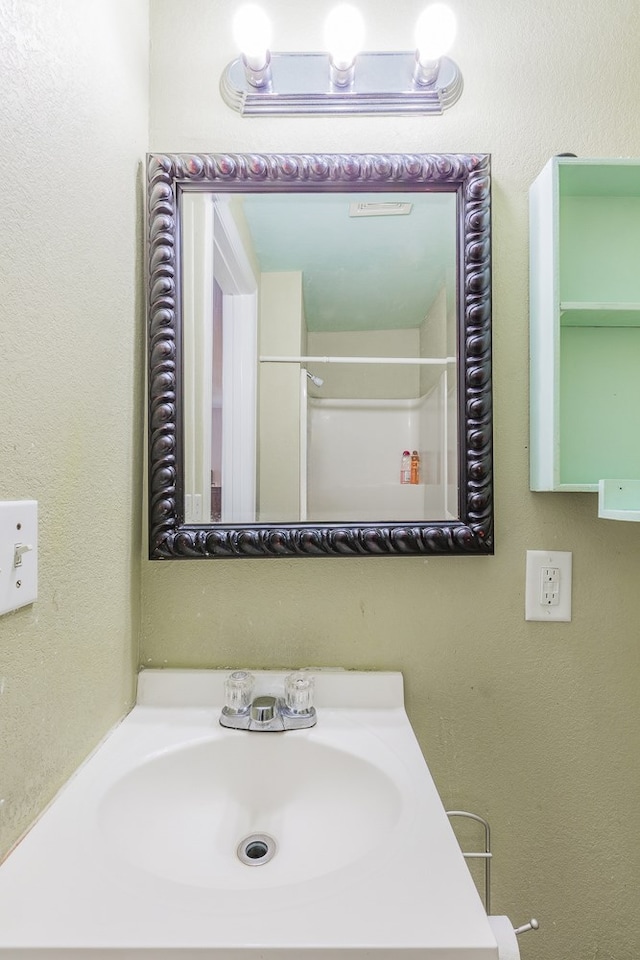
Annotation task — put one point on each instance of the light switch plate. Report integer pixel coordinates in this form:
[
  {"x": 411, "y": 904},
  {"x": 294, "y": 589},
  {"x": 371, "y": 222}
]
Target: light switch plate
[
  {"x": 548, "y": 585},
  {"x": 18, "y": 553}
]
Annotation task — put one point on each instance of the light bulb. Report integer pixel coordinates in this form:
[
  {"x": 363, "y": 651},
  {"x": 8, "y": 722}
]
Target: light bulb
[
  {"x": 344, "y": 35},
  {"x": 435, "y": 32},
  {"x": 252, "y": 35}
]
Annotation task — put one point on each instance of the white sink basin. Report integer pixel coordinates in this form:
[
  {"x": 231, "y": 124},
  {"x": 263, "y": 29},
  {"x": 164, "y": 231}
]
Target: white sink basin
[
  {"x": 183, "y": 814},
  {"x": 137, "y": 856}
]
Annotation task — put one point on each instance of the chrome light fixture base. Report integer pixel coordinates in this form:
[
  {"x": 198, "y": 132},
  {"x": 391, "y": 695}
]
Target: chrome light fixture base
[{"x": 383, "y": 84}]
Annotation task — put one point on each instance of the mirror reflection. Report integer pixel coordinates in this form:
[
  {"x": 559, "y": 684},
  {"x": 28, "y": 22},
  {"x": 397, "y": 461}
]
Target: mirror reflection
[{"x": 318, "y": 346}]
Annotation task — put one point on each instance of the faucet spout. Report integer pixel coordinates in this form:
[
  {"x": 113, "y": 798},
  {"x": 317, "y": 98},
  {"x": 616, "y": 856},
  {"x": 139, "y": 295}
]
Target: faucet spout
[{"x": 263, "y": 709}]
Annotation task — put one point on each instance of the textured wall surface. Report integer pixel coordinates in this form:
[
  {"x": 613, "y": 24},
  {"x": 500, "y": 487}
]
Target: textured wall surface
[
  {"x": 73, "y": 131},
  {"x": 535, "y": 726}
]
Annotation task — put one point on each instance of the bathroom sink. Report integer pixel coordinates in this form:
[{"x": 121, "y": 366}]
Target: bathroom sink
[
  {"x": 182, "y": 838},
  {"x": 184, "y": 815}
]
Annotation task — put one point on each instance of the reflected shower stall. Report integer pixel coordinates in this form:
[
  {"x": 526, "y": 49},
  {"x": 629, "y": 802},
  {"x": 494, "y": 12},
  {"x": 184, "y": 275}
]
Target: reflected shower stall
[{"x": 350, "y": 446}]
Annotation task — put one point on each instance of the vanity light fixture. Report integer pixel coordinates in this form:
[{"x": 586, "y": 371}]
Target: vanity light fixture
[{"x": 343, "y": 80}]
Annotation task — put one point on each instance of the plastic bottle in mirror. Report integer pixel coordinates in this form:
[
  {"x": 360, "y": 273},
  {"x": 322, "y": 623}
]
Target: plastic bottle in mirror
[
  {"x": 405, "y": 467},
  {"x": 414, "y": 470}
]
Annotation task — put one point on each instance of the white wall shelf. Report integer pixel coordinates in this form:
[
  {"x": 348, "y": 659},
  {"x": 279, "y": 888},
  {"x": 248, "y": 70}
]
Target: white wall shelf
[{"x": 585, "y": 327}]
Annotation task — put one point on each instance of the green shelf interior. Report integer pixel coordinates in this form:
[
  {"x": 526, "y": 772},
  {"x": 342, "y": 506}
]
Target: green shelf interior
[
  {"x": 599, "y": 271},
  {"x": 613, "y": 178},
  {"x": 599, "y": 403},
  {"x": 600, "y": 250}
]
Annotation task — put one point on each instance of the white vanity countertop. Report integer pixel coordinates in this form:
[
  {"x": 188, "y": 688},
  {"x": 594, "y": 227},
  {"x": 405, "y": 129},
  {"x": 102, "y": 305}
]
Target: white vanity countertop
[{"x": 69, "y": 890}]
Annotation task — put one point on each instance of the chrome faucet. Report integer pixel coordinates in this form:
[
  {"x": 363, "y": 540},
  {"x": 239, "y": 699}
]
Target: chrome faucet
[{"x": 268, "y": 714}]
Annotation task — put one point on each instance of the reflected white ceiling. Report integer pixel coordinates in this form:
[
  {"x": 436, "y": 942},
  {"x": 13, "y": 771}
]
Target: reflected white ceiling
[{"x": 359, "y": 273}]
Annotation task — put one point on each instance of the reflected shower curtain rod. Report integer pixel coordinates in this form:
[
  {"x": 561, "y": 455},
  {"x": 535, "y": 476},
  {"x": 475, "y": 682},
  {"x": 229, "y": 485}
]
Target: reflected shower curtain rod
[{"x": 419, "y": 360}]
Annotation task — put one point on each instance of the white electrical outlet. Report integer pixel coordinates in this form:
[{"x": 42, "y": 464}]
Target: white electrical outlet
[{"x": 548, "y": 585}]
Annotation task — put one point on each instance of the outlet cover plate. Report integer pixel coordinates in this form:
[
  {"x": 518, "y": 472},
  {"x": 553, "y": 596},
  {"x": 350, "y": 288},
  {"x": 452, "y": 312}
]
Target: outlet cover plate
[{"x": 561, "y": 563}]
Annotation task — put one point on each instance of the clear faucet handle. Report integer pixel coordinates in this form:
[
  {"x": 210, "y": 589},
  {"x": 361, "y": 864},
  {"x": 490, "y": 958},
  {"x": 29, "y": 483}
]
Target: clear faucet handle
[
  {"x": 298, "y": 692},
  {"x": 238, "y": 690}
]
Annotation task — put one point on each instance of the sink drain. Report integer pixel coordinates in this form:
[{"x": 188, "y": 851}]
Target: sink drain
[{"x": 256, "y": 849}]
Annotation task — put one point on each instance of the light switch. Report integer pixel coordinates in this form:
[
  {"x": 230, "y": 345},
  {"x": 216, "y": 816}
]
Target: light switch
[{"x": 18, "y": 553}]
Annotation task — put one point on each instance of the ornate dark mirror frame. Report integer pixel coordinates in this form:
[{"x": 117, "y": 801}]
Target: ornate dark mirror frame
[{"x": 468, "y": 175}]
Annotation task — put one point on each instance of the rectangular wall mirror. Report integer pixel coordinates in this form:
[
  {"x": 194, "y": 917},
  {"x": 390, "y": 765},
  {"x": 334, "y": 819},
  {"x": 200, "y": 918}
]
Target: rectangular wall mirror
[{"x": 311, "y": 320}]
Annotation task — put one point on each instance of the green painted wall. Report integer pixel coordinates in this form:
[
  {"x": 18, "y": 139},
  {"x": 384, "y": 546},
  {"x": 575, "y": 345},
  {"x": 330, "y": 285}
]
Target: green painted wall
[
  {"x": 73, "y": 121},
  {"x": 535, "y": 726}
]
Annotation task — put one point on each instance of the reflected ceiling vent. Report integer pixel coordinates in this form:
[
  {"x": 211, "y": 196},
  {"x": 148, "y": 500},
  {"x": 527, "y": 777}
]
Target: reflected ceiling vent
[{"x": 380, "y": 209}]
